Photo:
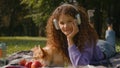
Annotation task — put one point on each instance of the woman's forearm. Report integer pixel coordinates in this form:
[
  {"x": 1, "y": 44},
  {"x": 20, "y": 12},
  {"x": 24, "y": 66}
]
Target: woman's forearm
[{"x": 70, "y": 42}]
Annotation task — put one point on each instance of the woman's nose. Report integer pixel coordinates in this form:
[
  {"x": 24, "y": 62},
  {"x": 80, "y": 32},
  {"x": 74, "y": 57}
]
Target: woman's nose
[{"x": 65, "y": 25}]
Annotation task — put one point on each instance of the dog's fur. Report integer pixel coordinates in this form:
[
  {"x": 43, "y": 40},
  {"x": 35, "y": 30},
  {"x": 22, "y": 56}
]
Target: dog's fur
[{"x": 49, "y": 56}]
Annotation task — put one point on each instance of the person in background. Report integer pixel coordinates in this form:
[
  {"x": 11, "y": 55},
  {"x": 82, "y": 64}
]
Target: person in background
[
  {"x": 69, "y": 31},
  {"x": 108, "y": 45},
  {"x": 109, "y": 41}
]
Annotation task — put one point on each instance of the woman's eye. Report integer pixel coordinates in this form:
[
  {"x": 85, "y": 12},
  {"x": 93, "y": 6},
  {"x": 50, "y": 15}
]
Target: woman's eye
[
  {"x": 70, "y": 21},
  {"x": 62, "y": 23}
]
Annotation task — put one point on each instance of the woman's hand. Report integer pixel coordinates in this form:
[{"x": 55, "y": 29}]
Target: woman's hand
[{"x": 73, "y": 33}]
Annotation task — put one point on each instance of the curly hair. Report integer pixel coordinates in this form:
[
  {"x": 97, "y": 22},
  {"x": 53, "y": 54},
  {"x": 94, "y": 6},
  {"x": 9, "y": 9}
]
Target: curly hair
[{"x": 58, "y": 39}]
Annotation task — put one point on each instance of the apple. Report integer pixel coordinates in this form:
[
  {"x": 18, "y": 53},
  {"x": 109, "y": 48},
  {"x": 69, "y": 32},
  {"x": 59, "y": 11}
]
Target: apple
[
  {"x": 22, "y": 62},
  {"x": 36, "y": 64},
  {"x": 28, "y": 64}
]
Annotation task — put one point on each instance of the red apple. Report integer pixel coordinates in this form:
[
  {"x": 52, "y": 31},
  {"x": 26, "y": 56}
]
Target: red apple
[
  {"x": 28, "y": 64},
  {"x": 36, "y": 64},
  {"x": 22, "y": 62}
]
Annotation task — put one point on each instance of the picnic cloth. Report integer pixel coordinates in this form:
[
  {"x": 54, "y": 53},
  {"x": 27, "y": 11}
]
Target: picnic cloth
[
  {"x": 16, "y": 57},
  {"x": 115, "y": 61}
]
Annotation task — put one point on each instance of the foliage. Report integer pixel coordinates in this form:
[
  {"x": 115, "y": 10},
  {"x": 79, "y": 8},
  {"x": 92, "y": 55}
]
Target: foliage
[
  {"x": 118, "y": 45},
  {"x": 40, "y": 10},
  {"x": 12, "y": 20},
  {"x": 27, "y": 17}
]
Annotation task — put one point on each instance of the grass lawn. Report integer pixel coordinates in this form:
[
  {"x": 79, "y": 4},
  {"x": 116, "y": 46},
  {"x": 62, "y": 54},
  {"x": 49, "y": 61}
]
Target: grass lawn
[
  {"x": 15, "y": 44},
  {"x": 118, "y": 45}
]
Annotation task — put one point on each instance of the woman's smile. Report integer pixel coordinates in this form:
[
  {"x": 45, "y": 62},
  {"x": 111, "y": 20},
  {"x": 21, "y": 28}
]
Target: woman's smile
[
  {"x": 67, "y": 31},
  {"x": 65, "y": 23}
]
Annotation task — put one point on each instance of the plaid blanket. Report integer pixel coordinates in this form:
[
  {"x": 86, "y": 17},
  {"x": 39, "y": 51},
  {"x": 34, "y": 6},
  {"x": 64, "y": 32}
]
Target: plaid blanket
[{"x": 16, "y": 57}]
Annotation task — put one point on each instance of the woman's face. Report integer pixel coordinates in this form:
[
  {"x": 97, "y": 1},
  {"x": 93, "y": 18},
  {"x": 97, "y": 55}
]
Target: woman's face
[{"x": 65, "y": 24}]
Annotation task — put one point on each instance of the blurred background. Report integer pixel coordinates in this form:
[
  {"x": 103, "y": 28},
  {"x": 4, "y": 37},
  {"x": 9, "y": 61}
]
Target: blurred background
[{"x": 28, "y": 17}]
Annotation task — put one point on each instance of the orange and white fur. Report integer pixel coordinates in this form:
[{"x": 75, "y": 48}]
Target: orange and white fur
[{"x": 49, "y": 56}]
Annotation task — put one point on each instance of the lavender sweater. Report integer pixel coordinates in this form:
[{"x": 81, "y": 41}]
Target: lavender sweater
[{"x": 90, "y": 55}]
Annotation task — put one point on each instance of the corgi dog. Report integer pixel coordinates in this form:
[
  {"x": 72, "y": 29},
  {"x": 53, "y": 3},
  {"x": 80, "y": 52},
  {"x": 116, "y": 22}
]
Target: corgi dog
[{"x": 49, "y": 56}]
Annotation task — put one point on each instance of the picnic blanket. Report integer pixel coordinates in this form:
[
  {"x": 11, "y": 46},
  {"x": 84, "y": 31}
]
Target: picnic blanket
[
  {"x": 115, "y": 61},
  {"x": 16, "y": 57}
]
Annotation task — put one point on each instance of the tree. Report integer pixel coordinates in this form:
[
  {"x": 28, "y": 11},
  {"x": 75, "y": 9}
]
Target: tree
[
  {"x": 40, "y": 10},
  {"x": 9, "y": 11},
  {"x": 32, "y": 15},
  {"x": 104, "y": 9},
  {"x": 12, "y": 20}
]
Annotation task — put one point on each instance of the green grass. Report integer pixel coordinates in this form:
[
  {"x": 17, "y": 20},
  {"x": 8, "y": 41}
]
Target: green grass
[
  {"x": 16, "y": 44},
  {"x": 118, "y": 45}
]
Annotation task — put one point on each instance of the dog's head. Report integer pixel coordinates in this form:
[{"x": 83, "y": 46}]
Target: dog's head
[{"x": 48, "y": 56}]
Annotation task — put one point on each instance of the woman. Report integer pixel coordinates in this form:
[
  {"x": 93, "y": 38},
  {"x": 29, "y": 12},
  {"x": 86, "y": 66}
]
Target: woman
[{"x": 68, "y": 30}]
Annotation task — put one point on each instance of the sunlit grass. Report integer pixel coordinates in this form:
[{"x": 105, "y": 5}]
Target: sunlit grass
[
  {"x": 22, "y": 38},
  {"x": 16, "y": 44},
  {"x": 118, "y": 45}
]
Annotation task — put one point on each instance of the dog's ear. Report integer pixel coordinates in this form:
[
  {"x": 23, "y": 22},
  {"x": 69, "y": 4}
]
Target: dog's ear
[
  {"x": 42, "y": 52},
  {"x": 38, "y": 52},
  {"x": 35, "y": 48}
]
